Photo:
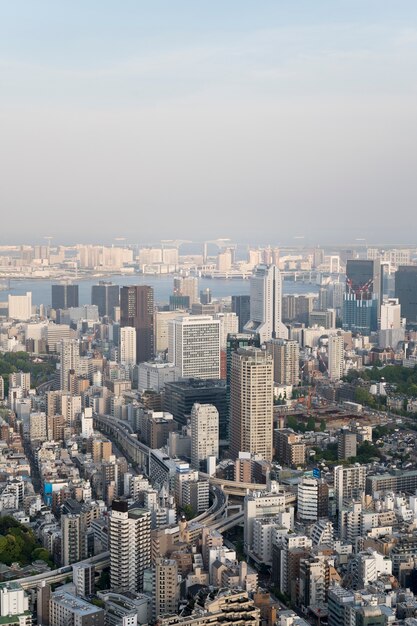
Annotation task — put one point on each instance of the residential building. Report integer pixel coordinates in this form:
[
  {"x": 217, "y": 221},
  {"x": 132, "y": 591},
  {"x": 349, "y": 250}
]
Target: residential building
[
  {"x": 204, "y": 434},
  {"x": 251, "y": 403}
]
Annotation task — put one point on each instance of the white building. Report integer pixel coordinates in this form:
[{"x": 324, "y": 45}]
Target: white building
[
  {"x": 349, "y": 483},
  {"x": 155, "y": 376},
  {"x": 38, "y": 430},
  {"x": 87, "y": 429},
  {"x": 194, "y": 346},
  {"x": 20, "y": 307},
  {"x": 336, "y": 357},
  {"x": 258, "y": 505},
  {"x": 13, "y": 599},
  {"x": 127, "y": 345},
  {"x": 229, "y": 324},
  {"x": 204, "y": 433},
  {"x": 266, "y": 304}
]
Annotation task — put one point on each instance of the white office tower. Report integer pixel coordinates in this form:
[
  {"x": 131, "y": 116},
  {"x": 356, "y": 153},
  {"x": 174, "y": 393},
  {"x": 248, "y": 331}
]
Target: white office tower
[
  {"x": 266, "y": 303},
  {"x": 69, "y": 359},
  {"x": 251, "y": 403},
  {"x": 349, "y": 483},
  {"x": 87, "y": 429},
  {"x": 229, "y": 325},
  {"x": 391, "y": 328},
  {"x": 286, "y": 356},
  {"x": 20, "y": 307},
  {"x": 336, "y": 357},
  {"x": 127, "y": 346},
  {"x": 194, "y": 346},
  {"x": 204, "y": 434},
  {"x": 129, "y": 545}
]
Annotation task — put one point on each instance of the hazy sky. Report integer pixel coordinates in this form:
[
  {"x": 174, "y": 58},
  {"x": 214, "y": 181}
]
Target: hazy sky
[{"x": 255, "y": 120}]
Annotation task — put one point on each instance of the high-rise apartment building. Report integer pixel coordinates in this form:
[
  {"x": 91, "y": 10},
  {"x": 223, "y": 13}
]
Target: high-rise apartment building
[
  {"x": 312, "y": 499},
  {"x": 204, "y": 434},
  {"x": 336, "y": 356},
  {"x": 127, "y": 345},
  {"x": 266, "y": 303},
  {"x": 234, "y": 342},
  {"x": 106, "y": 297},
  {"x": 129, "y": 545},
  {"x": 64, "y": 296},
  {"x": 349, "y": 483},
  {"x": 165, "y": 587},
  {"x": 73, "y": 543},
  {"x": 194, "y": 346},
  {"x": 346, "y": 444},
  {"x": 69, "y": 361},
  {"x": 406, "y": 291},
  {"x": 251, "y": 401},
  {"x": 286, "y": 357},
  {"x": 137, "y": 310},
  {"x": 241, "y": 306}
]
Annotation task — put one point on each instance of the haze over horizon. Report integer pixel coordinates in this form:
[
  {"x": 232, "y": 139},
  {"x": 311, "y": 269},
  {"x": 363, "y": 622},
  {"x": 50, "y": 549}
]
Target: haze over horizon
[{"x": 258, "y": 122}]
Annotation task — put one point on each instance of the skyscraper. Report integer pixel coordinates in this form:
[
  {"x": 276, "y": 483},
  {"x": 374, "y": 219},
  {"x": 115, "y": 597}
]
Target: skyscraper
[
  {"x": 204, "y": 434},
  {"x": 406, "y": 291},
  {"x": 105, "y": 296},
  {"x": 336, "y": 355},
  {"x": 129, "y": 545},
  {"x": 241, "y": 306},
  {"x": 186, "y": 286},
  {"x": 286, "y": 356},
  {"x": 64, "y": 296},
  {"x": 234, "y": 342},
  {"x": 363, "y": 297},
  {"x": 69, "y": 360},
  {"x": 194, "y": 346},
  {"x": 252, "y": 391},
  {"x": 266, "y": 303},
  {"x": 137, "y": 310},
  {"x": 127, "y": 345}
]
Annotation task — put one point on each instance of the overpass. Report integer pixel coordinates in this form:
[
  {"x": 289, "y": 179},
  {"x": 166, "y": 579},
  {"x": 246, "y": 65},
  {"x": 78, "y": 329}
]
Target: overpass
[{"x": 100, "y": 561}]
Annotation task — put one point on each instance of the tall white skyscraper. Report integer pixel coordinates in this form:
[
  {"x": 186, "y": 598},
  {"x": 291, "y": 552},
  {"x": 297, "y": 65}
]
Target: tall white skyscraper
[
  {"x": 336, "y": 355},
  {"x": 266, "y": 303},
  {"x": 70, "y": 360},
  {"x": 204, "y": 433},
  {"x": 194, "y": 346},
  {"x": 127, "y": 354},
  {"x": 20, "y": 307},
  {"x": 129, "y": 545}
]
